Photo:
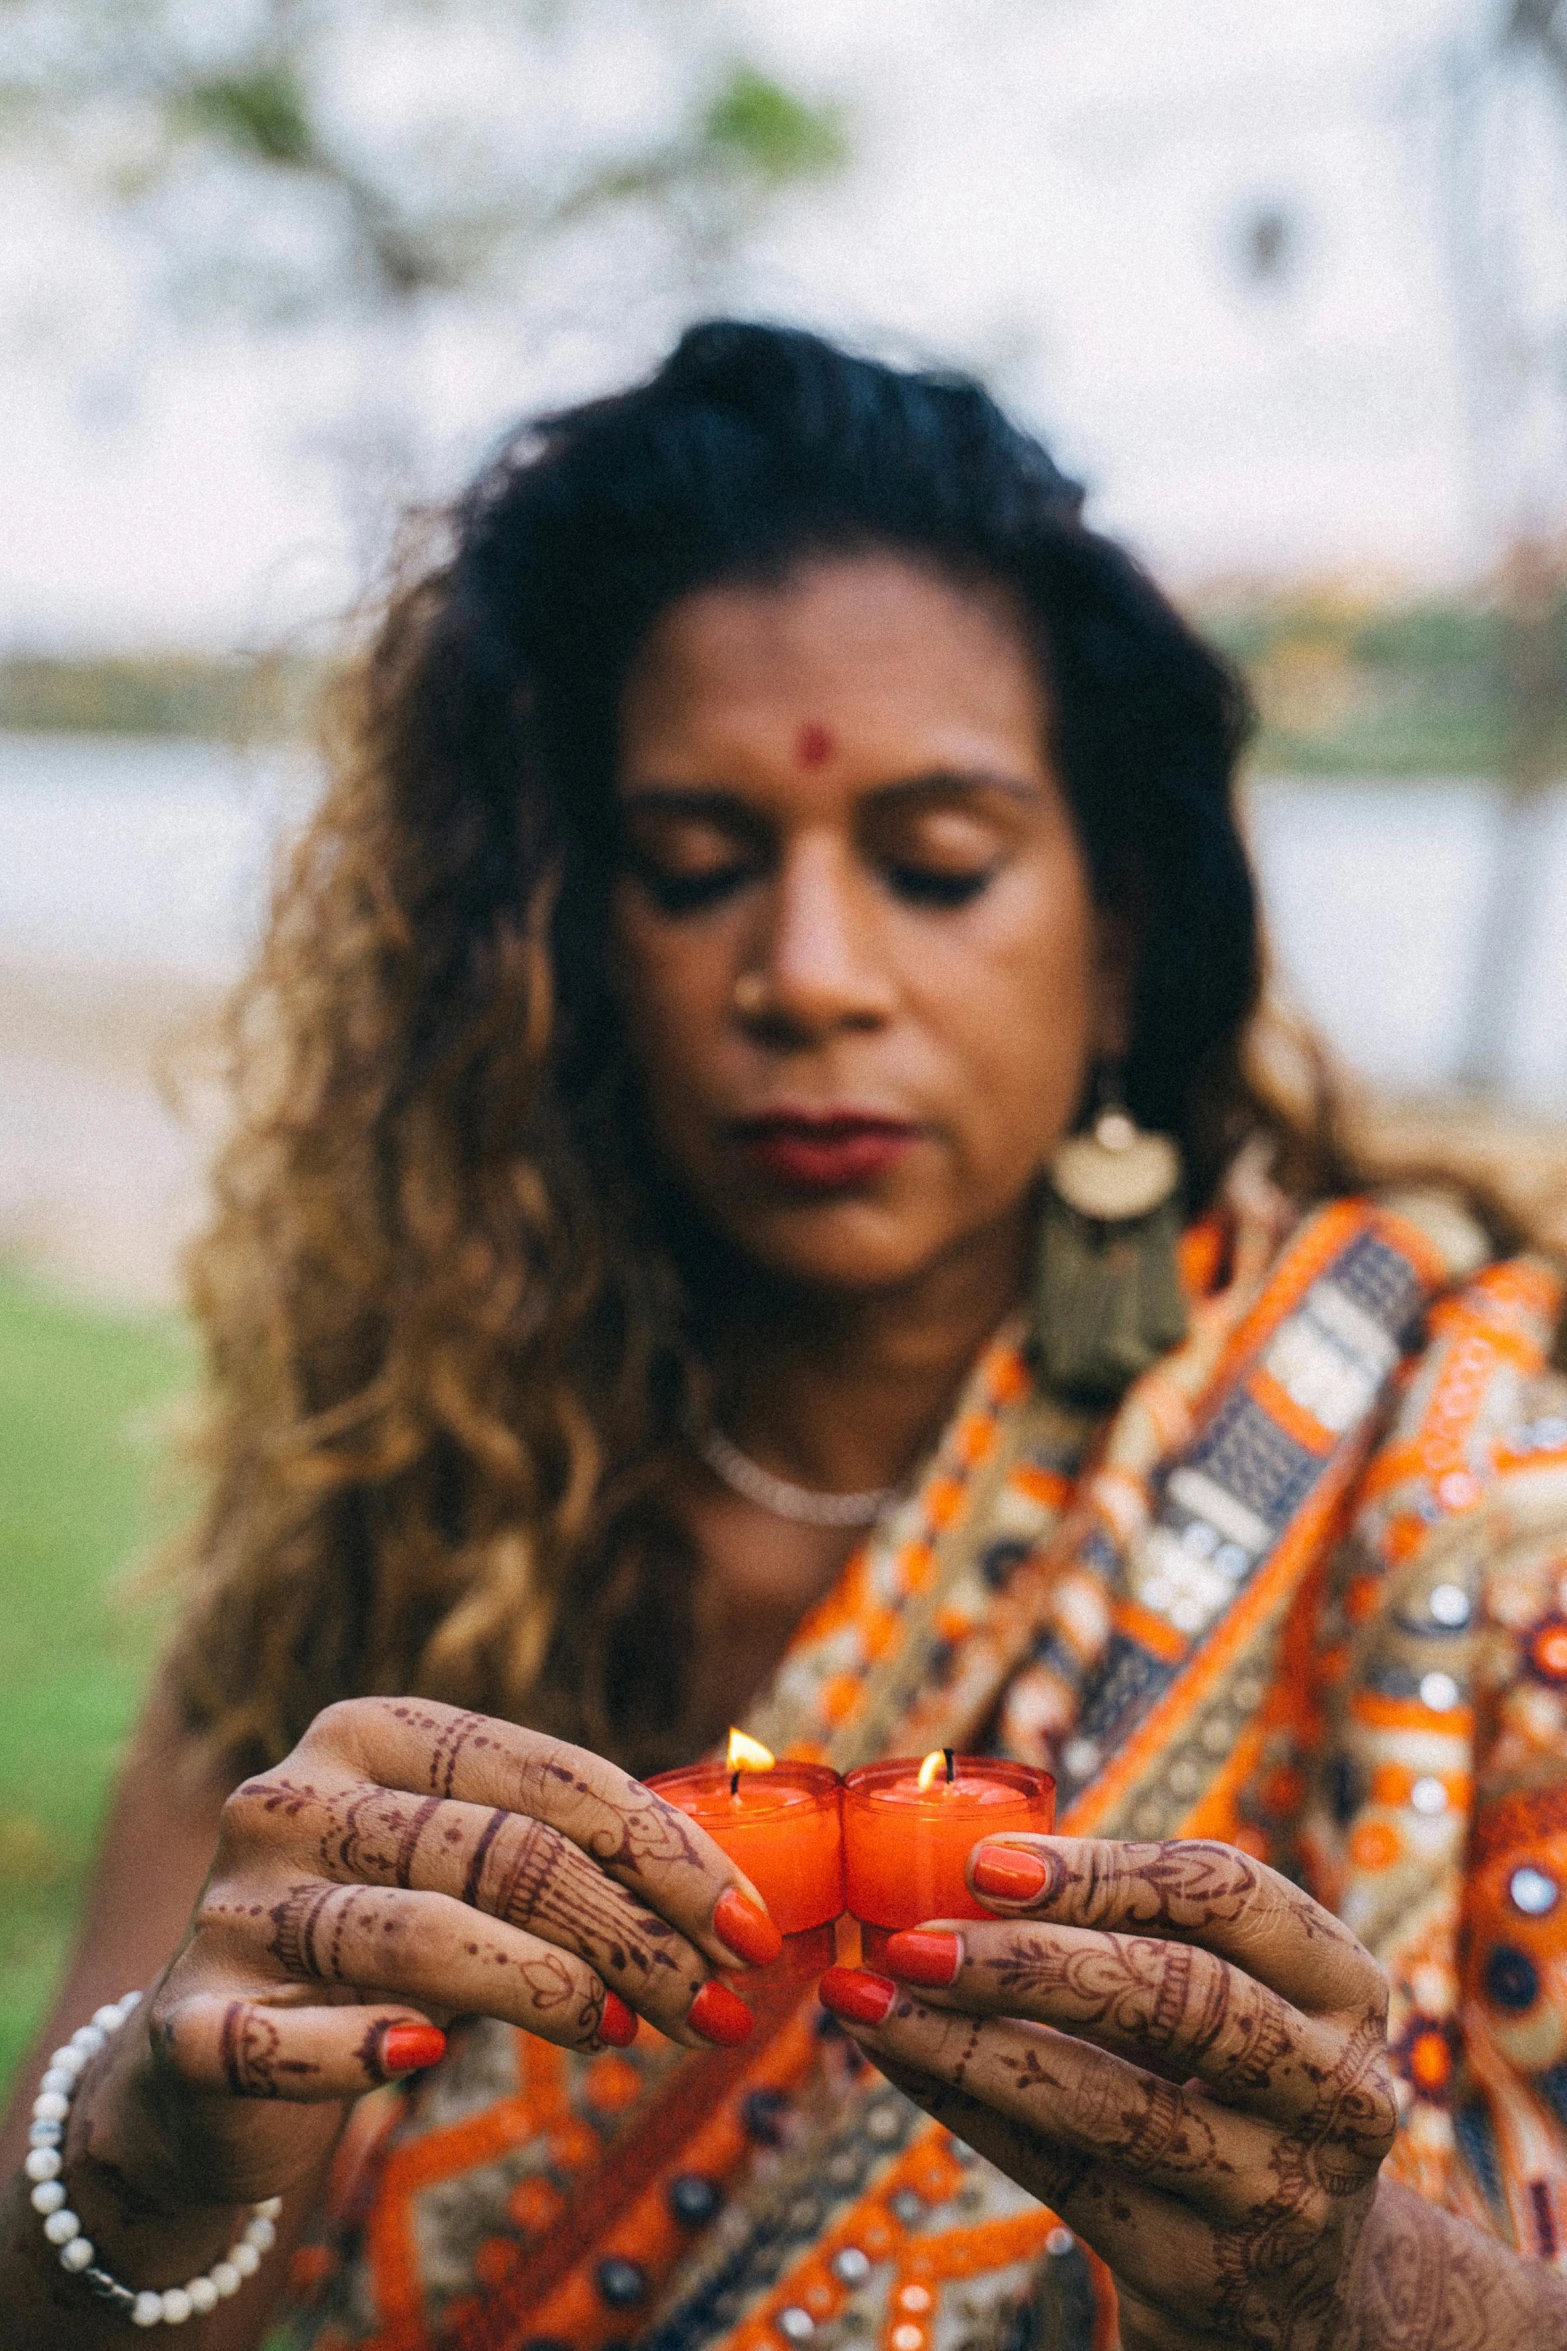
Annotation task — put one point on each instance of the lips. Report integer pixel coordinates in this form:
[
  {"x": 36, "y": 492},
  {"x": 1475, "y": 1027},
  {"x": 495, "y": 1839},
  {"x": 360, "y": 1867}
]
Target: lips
[{"x": 826, "y": 1151}]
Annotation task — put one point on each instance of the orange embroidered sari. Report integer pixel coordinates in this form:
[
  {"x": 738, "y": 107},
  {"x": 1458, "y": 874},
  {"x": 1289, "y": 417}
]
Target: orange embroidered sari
[{"x": 1306, "y": 1592}]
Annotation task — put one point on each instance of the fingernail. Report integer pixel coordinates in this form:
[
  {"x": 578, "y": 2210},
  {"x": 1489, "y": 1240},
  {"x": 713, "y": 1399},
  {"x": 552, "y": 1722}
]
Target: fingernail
[
  {"x": 408, "y": 2048},
  {"x": 719, "y": 2016},
  {"x": 857, "y": 1994},
  {"x": 1009, "y": 1875},
  {"x": 618, "y": 2024},
  {"x": 746, "y": 1928},
  {"x": 919, "y": 1958}
]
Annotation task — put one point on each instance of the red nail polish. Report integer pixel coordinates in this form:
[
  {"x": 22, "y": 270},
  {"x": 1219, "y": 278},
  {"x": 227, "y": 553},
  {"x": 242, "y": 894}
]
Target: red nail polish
[
  {"x": 618, "y": 2024},
  {"x": 719, "y": 2016},
  {"x": 746, "y": 1929},
  {"x": 916, "y": 1957},
  {"x": 408, "y": 2048},
  {"x": 857, "y": 1994},
  {"x": 1010, "y": 1876}
]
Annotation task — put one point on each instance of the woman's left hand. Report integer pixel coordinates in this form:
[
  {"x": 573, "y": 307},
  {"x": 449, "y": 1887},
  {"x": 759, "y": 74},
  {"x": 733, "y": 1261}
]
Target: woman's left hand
[{"x": 1211, "y": 2101}]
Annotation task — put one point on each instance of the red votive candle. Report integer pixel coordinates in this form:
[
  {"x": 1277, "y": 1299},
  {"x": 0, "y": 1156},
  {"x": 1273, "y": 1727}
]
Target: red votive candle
[
  {"x": 782, "y": 1826},
  {"x": 906, "y": 1847}
]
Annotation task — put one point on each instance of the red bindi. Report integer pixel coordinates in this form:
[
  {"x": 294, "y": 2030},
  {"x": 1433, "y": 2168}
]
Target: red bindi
[{"x": 813, "y": 744}]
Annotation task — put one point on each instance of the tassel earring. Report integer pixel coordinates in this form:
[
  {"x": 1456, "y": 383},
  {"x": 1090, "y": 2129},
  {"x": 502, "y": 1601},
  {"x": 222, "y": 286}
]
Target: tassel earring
[{"x": 1108, "y": 1300}]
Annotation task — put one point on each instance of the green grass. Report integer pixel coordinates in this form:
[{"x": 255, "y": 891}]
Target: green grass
[{"x": 80, "y": 1398}]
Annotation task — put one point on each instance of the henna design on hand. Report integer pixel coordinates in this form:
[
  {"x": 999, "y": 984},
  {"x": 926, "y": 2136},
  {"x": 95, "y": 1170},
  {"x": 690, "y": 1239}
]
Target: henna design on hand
[
  {"x": 368, "y": 2053},
  {"x": 959, "y": 2071},
  {"x": 374, "y": 1835},
  {"x": 1185, "y": 1889},
  {"x": 1027, "y": 2072},
  {"x": 290, "y": 1797},
  {"x": 297, "y": 1924},
  {"x": 408, "y": 1842},
  {"x": 533, "y": 1862},
  {"x": 251, "y": 2046},
  {"x": 481, "y": 1853},
  {"x": 1161, "y": 2126},
  {"x": 545, "y": 1885},
  {"x": 458, "y": 1732},
  {"x": 1264, "y": 2055},
  {"x": 516, "y": 1867},
  {"x": 1173, "y": 1967},
  {"x": 1226, "y": 2225},
  {"x": 1139, "y": 2124},
  {"x": 1404, "y": 2285},
  {"x": 1356, "y": 2119},
  {"x": 648, "y": 1831},
  {"x": 1427, "y": 2281},
  {"x": 551, "y": 1984},
  {"x": 1292, "y": 2251},
  {"x": 552, "y": 1987},
  {"x": 1155, "y": 1999},
  {"x": 294, "y": 1922}
]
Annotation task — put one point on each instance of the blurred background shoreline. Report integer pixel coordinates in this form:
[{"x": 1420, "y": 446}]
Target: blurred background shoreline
[{"x": 145, "y": 800}]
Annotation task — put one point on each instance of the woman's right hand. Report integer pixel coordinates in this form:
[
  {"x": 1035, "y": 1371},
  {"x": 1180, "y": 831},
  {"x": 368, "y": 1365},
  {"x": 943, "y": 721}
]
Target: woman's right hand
[{"x": 409, "y": 1862}]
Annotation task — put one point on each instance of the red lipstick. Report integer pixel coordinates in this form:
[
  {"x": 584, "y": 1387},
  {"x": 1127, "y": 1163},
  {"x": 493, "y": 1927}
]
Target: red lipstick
[{"x": 824, "y": 1151}]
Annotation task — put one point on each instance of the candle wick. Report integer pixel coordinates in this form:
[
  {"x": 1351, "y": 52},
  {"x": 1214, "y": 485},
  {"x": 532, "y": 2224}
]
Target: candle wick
[
  {"x": 734, "y": 1783},
  {"x": 952, "y": 1772}
]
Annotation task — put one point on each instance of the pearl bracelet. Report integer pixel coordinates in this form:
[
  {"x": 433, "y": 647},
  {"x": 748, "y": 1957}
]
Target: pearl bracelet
[{"x": 61, "y": 2226}]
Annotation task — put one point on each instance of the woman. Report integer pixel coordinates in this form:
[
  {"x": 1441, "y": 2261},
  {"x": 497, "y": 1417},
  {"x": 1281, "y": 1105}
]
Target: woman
[{"x": 733, "y": 1060}]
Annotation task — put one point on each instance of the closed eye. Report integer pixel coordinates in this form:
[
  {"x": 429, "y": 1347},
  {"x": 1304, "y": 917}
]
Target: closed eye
[
  {"x": 676, "y": 893},
  {"x": 925, "y": 885}
]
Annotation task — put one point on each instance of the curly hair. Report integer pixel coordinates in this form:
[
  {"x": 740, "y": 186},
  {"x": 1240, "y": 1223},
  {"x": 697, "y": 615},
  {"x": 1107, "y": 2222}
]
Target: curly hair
[{"x": 452, "y": 1310}]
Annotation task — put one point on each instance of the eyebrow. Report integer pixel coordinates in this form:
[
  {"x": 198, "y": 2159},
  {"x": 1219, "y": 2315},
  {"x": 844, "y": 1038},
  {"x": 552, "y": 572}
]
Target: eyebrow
[{"x": 933, "y": 784}]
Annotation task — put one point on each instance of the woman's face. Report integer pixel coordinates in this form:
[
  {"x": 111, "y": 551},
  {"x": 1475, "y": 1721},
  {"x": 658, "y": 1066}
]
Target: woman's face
[{"x": 861, "y": 966}]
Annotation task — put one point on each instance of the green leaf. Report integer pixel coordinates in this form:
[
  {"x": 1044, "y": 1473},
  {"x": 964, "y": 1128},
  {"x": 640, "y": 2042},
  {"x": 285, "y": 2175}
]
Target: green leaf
[
  {"x": 764, "y": 127},
  {"x": 260, "y": 114}
]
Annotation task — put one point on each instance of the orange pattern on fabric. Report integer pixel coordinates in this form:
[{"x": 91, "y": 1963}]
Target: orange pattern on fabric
[
  {"x": 390, "y": 2242},
  {"x": 931, "y": 2172},
  {"x": 649, "y": 2234},
  {"x": 1264, "y": 1598},
  {"x": 1325, "y": 1608}
]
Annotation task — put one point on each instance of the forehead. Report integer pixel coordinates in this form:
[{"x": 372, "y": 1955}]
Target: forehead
[{"x": 864, "y": 659}]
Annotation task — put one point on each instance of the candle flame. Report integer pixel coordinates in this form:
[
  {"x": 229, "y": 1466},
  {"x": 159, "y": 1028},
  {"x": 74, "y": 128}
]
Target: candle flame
[
  {"x": 936, "y": 1766},
  {"x": 748, "y": 1754}
]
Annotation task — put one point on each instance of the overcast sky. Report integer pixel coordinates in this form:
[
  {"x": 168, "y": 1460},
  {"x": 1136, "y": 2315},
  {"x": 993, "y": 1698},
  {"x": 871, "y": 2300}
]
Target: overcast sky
[{"x": 1056, "y": 190}]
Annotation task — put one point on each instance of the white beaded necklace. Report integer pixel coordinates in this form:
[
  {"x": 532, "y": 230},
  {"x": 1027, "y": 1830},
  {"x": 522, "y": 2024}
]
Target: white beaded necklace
[
  {"x": 44, "y": 2161},
  {"x": 805, "y": 1505}
]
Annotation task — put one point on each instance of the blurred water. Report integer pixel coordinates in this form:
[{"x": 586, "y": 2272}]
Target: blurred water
[
  {"x": 133, "y": 856},
  {"x": 1376, "y": 893},
  {"x": 122, "y": 853}
]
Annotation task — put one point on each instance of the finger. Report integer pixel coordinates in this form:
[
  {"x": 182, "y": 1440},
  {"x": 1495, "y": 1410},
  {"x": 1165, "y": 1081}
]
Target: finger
[
  {"x": 1170, "y": 2007},
  {"x": 513, "y": 1867},
  {"x": 1157, "y": 2247},
  {"x": 1186, "y": 1890},
  {"x": 435, "y": 1951},
  {"x": 1049, "y": 2171},
  {"x": 267, "y": 2046},
  {"x": 647, "y": 1845},
  {"x": 1080, "y": 2099}
]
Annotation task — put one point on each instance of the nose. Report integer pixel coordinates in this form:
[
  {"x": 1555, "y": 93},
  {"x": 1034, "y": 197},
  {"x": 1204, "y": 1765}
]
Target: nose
[{"x": 816, "y": 968}]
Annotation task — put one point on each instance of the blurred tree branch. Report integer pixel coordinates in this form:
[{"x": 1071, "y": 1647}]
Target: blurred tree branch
[
  {"x": 373, "y": 166},
  {"x": 300, "y": 157},
  {"x": 1540, "y": 25}
]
